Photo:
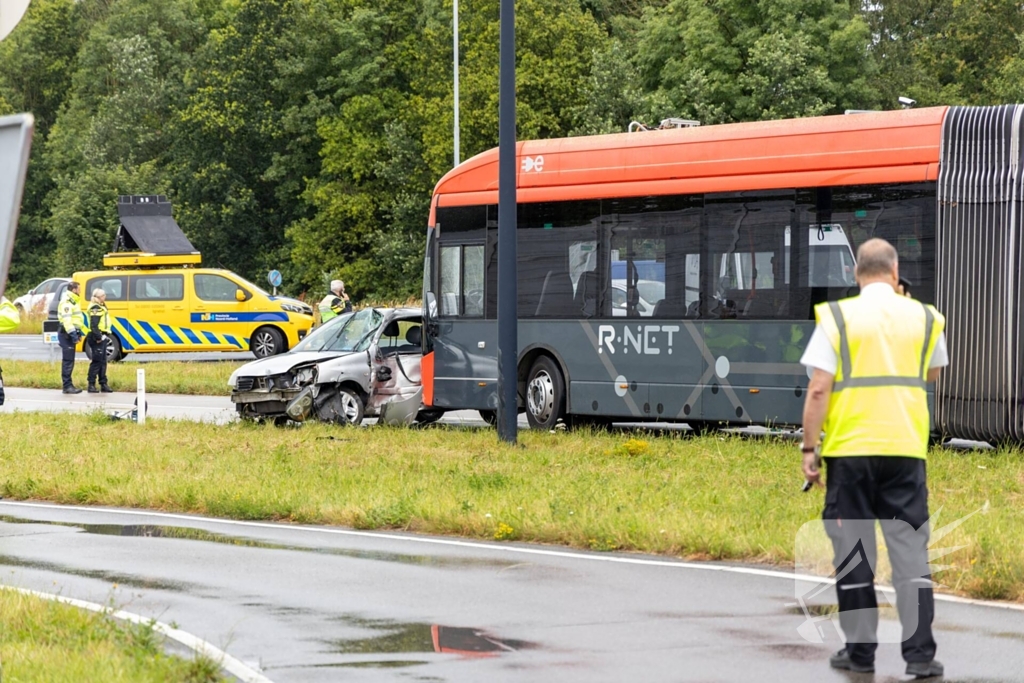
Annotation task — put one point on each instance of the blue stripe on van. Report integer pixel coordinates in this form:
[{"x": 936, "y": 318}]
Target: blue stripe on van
[
  {"x": 175, "y": 339},
  {"x": 151, "y": 332},
  {"x": 211, "y": 337},
  {"x": 231, "y": 340},
  {"x": 191, "y": 336},
  {"x": 139, "y": 339}
]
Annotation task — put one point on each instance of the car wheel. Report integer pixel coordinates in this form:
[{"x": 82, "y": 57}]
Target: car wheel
[
  {"x": 344, "y": 407},
  {"x": 114, "y": 351},
  {"x": 266, "y": 342},
  {"x": 545, "y": 394},
  {"x": 489, "y": 416}
]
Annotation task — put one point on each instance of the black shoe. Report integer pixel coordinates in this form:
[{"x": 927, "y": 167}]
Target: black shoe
[
  {"x": 93, "y": 389},
  {"x": 841, "y": 660},
  {"x": 925, "y": 669},
  {"x": 106, "y": 390},
  {"x": 72, "y": 390}
]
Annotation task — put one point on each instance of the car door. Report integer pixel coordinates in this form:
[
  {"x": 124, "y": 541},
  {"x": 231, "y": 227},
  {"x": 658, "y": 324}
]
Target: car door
[
  {"x": 217, "y": 315},
  {"x": 157, "y": 305}
]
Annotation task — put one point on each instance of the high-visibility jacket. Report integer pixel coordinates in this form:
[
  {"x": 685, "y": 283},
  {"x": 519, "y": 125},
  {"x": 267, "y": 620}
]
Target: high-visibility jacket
[
  {"x": 99, "y": 319},
  {"x": 9, "y": 316},
  {"x": 879, "y": 403},
  {"x": 69, "y": 312},
  {"x": 332, "y": 306}
]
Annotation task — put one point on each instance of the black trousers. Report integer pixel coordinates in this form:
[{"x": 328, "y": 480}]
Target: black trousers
[
  {"x": 67, "y": 356},
  {"x": 98, "y": 364},
  {"x": 892, "y": 490}
]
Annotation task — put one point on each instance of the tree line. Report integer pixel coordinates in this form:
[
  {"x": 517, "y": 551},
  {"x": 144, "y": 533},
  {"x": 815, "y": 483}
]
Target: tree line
[{"x": 307, "y": 135}]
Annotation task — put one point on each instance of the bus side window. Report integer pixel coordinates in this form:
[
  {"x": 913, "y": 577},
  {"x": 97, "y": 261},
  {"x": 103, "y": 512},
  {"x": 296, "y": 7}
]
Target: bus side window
[
  {"x": 451, "y": 280},
  {"x": 462, "y": 280}
]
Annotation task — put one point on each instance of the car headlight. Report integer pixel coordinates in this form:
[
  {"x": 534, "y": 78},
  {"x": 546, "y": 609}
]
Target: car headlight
[{"x": 306, "y": 375}]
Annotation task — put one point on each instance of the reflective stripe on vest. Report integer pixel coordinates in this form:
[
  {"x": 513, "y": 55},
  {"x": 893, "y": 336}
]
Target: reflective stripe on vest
[
  {"x": 879, "y": 402},
  {"x": 881, "y": 381}
]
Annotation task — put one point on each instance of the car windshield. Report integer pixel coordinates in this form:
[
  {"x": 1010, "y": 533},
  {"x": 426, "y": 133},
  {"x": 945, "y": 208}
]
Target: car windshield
[{"x": 348, "y": 332}]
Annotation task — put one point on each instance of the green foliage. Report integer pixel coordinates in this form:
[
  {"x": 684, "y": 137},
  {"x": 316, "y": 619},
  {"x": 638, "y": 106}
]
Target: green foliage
[{"x": 307, "y": 135}]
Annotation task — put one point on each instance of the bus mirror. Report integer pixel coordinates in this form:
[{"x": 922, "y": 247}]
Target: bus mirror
[{"x": 240, "y": 295}]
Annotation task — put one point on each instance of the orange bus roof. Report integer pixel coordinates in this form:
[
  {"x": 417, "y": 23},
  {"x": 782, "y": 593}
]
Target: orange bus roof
[{"x": 856, "y": 149}]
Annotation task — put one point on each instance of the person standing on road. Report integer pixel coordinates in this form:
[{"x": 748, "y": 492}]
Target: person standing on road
[
  {"x": 335, "y": 303},
  {"x": 871, "y": 357},
  {"x": 69, "y": 312},
  {"x": 99, "y": 337}
]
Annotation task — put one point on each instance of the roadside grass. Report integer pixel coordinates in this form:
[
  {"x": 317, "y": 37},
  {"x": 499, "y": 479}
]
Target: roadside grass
[
  {"x": 29, "y": 324},
  {"x": 162, "y": 377},
  {"x": 713, "y": 497},
  {"x": 48, "y": 642}
]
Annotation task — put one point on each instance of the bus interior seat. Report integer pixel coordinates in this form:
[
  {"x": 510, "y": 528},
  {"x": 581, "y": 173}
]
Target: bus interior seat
[
  {"x": 585, "y": 301},
  {"x": 669, "y": 308},
  {"x": 556, "y": 295}
]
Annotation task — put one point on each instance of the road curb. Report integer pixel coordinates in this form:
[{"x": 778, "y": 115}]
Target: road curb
[{"x": 227, "y": 663}]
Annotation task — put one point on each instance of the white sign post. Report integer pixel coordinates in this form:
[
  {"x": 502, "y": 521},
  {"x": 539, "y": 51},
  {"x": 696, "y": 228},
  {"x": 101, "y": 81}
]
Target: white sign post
[
  {"x": 15, "y": 143},
  {"x": 140, "y": 396}
]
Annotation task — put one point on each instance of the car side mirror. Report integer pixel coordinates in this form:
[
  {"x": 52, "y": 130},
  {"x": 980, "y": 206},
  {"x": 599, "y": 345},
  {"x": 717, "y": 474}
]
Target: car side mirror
[
  {"x": 240, "y": 295},
  {"x": 31, "y": 292}
]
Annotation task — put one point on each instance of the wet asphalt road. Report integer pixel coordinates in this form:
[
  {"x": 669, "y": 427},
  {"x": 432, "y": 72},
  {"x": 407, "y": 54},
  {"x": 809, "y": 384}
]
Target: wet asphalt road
[{"x": 313, "y": 605}]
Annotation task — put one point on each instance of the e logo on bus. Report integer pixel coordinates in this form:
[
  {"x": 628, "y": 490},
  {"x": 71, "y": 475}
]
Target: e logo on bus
[
  {"x": 533, "y": 164},
  {"x": 646, "y": 340}
]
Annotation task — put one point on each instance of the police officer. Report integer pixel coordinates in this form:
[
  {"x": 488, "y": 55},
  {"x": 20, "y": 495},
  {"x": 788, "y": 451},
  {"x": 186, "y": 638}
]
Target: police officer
[
  {"x": 99, "y": 337},
  {"x": 335, "y": 303},
  {"x": 871, "y": 357},
  {"x": 69, "y": 312}
]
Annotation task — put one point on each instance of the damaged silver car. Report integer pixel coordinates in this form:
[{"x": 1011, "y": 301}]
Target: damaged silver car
[{"x": 363, "y": 364}]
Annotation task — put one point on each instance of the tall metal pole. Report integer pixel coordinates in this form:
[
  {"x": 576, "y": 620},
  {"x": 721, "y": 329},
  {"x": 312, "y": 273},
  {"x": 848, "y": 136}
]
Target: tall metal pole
[
  {"x": 508, "y": 332},
  {"x": 455, "y": 64}
]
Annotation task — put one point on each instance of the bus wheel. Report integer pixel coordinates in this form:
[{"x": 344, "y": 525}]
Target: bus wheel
[
  {"x": 266, "y": 341},
  {"x": 545, "y": 394}
]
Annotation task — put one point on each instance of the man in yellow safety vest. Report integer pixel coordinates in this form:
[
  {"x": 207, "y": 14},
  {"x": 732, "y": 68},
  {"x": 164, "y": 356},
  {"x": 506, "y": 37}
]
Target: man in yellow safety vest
[
  {"x": 335, "y": 303},
  {"x": 872, "y": 356}
]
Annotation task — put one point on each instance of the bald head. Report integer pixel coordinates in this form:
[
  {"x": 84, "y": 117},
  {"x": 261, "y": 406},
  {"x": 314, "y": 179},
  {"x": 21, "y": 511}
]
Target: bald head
[{"x": 877, "y": 261}]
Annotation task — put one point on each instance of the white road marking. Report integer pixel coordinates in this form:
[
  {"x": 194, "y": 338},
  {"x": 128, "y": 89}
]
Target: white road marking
[
  {"x": 615, "y": 559},
  {"x": 226, "y": 662}
]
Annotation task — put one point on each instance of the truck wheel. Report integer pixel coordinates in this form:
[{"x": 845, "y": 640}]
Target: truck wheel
[
  {"x": 344, "y": 407},
  {"x": 266, "y": 342},
  {"x": 545, "y": 394}
]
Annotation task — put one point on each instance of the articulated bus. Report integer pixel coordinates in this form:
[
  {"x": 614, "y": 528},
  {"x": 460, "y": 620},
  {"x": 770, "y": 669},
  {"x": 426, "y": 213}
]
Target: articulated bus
[{"x": 671, "y": 275}]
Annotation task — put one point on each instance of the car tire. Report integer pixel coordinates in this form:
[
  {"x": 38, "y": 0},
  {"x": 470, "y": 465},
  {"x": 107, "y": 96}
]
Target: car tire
[
  {"x": 343, "y": 407},
  {"x": 266, "y": 342},
  {"x": 489, "y": 416},
  {"x": 114, "y": 350},
  {"x": 545, "y": 394}
]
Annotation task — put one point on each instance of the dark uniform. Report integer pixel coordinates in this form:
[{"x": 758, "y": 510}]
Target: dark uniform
[{"x": 98, "y": 339}]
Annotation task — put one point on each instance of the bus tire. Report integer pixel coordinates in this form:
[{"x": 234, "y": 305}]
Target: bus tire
[
  {"x": 266, "y": 342},
  {"x": 545, "y": 394}
]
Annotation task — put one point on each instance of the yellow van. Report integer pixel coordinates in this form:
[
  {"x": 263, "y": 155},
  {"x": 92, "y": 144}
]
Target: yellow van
[
  {"x": 161, "y": 301},
  {"x": 170, "y": 310}
]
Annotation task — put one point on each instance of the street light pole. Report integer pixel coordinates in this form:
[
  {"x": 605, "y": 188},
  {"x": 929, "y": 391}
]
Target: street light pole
[
  {"x": 455, "y": 64},
  {"x": 508, "y": 332}
]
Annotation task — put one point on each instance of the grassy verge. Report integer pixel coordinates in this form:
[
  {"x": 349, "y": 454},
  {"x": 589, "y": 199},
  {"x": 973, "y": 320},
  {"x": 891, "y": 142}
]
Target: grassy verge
[
  {"x": 712, "y": 497},
  {"x": 48, "y": 642},
  {"x": 162, "y": 377},
  {"x": 28, "y": 325}
]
